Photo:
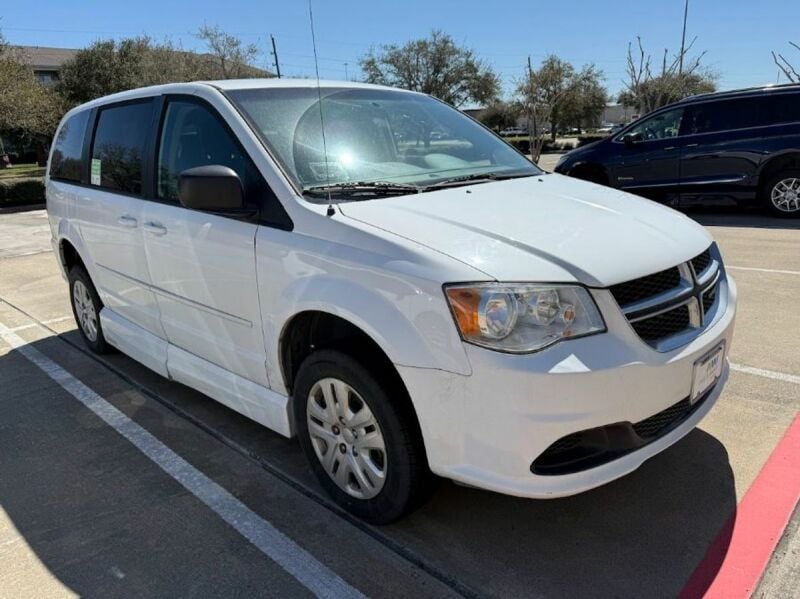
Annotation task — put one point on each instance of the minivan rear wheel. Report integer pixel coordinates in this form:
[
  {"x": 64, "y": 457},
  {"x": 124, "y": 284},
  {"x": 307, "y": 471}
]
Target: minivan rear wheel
[
  {"x": 359, "y": 438},
  {"x": 782, "y": 194},
  {"x": 86, "y": 306}
]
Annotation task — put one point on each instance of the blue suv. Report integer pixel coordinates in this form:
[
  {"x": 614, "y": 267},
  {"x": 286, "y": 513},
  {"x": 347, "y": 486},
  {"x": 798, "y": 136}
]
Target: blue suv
[{"x": 737, "y": 146}]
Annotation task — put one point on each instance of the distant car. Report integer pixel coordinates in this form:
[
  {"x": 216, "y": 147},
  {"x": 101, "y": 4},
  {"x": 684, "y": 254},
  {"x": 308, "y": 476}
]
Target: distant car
[
  {"x": 513, "y": 132},
  {"x": 741, "y": 146},
  {"x": 616, "y": 128}
]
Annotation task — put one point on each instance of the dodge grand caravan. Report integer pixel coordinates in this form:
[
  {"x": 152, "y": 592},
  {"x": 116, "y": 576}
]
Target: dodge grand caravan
[
  {"x": 741, "y": 146},
  {"x": 407, "y": 305}
]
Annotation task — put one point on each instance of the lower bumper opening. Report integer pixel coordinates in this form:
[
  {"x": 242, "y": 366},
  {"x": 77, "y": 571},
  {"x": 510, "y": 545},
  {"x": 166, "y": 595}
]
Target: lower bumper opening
[{"x": 597, "y": 446}]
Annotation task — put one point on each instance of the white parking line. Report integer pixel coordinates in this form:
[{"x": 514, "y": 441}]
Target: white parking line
[
  {"x": 312, "y": 574},
  {"x": 36, "y": 324},
  {"x": 780, "y": 272},
  {"x": 770, "y": 374}
]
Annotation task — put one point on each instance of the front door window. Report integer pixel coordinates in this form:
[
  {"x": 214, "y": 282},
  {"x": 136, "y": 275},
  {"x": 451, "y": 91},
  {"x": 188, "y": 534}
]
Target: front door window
[{"x": 661, "y": 126}]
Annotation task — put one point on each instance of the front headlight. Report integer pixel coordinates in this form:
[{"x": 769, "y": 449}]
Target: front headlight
[{"x": 522, "y": 317}]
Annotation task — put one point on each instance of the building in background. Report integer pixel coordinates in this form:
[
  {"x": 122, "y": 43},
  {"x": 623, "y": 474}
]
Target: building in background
[
  {"x": 618, "y": 114},
  {"x": 46, "y": 62}
]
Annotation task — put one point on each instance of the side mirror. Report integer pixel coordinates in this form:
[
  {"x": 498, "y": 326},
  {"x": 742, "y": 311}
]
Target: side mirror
[
  {"x": 631, "y": 138},
  {"x": 213, "y": 188}
]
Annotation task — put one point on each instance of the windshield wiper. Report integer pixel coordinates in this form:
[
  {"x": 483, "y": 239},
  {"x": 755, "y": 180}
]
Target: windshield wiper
[
  {"x": 363, "y": 187},
  {"x": 475, "y": 178}
]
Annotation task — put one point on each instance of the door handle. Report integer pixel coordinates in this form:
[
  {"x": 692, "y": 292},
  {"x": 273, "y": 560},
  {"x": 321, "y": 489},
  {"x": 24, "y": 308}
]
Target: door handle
[
  {"x": 670, "y": 148},
  {"x": 690, "y": 145},
  {"x": 155, "y": 228},
  {"x": 127, "y": 221}
]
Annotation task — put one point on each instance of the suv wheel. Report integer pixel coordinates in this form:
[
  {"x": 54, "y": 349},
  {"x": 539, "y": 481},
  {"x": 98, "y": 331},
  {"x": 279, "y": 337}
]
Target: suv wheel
[
  {"x": 360, "y": 438},
  {"x": 782, "y": 194},
  {"x": 86, "y": 306}
]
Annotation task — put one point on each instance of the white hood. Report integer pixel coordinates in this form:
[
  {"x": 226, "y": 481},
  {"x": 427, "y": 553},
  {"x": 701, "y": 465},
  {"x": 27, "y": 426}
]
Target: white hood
[{"x": 549, "y": 228}]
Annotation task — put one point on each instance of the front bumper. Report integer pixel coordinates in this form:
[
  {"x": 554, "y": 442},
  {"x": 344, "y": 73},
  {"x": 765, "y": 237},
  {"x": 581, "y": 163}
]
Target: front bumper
[{"x": 486, "y": 429}]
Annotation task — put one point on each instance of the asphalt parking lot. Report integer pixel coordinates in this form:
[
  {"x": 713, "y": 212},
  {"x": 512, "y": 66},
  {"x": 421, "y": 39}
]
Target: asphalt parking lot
[{"x": 115, "y": 481}]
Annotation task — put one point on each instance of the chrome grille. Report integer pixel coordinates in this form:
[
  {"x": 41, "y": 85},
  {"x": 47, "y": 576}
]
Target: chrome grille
[
  {"x": 664, "y": 324},
  {"x": 668, "y": 304},
  {"x": 701, "y": 262},
  {"x": 639, "y": 289}
]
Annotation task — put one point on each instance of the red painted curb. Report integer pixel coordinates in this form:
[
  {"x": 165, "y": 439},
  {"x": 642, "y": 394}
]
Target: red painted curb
[{"x": 736, "y": 560}]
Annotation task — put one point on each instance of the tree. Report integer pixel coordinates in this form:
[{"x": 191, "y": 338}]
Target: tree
[
  {"x": 233, "y": 57},
  {"x": 436, "y": 66},
  {"x": 28, "y": 110},
  {"x": 105, "y": 67},
  {"x": 555, "y": 94},
  {"x": 111, "y": 66},
  {"x": 584, "y": 106},
  {"x": 678, "y": 77},
  {"x": 500, "y": 115},
  {"x": 784, "y": 65}
]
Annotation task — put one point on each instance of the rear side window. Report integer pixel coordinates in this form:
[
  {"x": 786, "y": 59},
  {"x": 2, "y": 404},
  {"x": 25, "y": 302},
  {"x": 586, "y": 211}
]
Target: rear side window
[
  {"x": 782, "y": 108},
  {"x": 65, "y": 162},
  {"x": 119, "y": 146},
  {"x": 724, "y": 115}
]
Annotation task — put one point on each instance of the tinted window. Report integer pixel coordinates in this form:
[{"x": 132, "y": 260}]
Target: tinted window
[
  {"x": 68, "y": 147},
  {"x": 194, "y": 136},
  {"x": 782, "y": 108},
  {"x": 119, "y": 146},
  {"x": 724, "y": 115},
  {"x": 664, "y": 125}
]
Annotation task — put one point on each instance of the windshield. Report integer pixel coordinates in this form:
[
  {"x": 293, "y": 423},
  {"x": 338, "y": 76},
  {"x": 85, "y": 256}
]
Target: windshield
[{"x": 375, "y": 136}]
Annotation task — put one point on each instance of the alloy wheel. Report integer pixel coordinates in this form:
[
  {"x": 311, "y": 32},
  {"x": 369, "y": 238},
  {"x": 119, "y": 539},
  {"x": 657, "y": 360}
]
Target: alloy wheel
[
  {"x": 84, "y": 310},
  {"x": 346, "y": 437},
  {"x": 785, "y": 195}
]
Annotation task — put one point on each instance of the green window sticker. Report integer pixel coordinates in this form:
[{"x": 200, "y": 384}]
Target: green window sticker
[{"x": 95, "y": 171}]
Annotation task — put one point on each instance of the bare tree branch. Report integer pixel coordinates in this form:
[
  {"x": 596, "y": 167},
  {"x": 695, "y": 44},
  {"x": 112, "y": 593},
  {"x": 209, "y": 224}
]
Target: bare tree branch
[{"x": 785, "y": 66}]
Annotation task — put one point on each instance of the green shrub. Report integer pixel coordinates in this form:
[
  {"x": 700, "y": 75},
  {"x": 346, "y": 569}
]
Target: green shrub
[{"x": 19, "y": 192}]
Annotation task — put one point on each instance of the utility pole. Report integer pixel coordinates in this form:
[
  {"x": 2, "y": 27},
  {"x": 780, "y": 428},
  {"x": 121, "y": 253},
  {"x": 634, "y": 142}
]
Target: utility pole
[
  {"x": 346, "y": 78},
  {"x": 683, "y": 37},
  {"x": 275, "y": 55},
  {"x": 533, "y": 129}
]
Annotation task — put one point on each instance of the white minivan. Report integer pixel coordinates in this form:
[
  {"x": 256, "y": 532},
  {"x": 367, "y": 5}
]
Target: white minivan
[{"x": 376, "y": 273}]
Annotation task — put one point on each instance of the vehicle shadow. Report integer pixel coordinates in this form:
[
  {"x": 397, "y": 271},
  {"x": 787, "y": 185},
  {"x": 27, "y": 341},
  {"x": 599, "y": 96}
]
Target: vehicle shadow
[
  {"x": 740, "y": 217},
  {"x": 642, "y": 535}
]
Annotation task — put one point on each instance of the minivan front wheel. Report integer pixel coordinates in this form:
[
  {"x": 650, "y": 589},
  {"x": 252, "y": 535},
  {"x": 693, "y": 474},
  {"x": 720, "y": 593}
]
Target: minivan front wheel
[
  {"x": 86, "y": 306},
  {"x": 359, "y": 438},
  {"x": 783, "y": 194}
]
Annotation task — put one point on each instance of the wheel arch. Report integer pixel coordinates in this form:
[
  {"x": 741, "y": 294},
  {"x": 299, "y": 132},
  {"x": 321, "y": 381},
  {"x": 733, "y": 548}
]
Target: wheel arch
[
  {"x": 593, "y": 172},
  {"x": 312, "y": 330},
  {"x": 69, "y": 255},
  {"x": 783, "y": 161}
]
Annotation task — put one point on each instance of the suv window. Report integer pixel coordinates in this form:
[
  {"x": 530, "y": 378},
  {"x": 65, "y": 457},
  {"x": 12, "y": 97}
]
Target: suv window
[
  {"x": 724, "y": 115},
  {"x": 782, "y": 108},
  {"x": 194, "y": 136},
  {"x": 119, "y": 146},
  {"x": 68, "y": 148},
  {"x": 664, "y": 125}
]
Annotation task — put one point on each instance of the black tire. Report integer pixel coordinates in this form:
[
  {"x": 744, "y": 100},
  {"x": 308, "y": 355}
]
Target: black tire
[
  {"x": 766, "y": 193},
  {"x": 408, "y": 482},
  {"x": 78, "y": 275}
]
